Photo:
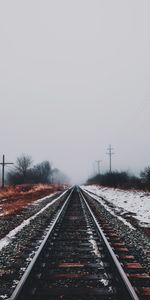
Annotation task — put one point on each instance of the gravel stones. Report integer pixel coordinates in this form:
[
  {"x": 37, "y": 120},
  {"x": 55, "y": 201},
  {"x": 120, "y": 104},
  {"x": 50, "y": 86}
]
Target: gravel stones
[
  {"x": 15, "y": 257},
  {"x": 7, "y": 223},
  {"x": 136, "y": 240}
]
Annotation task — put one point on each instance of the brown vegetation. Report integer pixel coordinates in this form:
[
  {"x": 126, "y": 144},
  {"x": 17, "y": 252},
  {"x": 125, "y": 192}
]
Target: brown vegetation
[{"x": 13, "y": 199}]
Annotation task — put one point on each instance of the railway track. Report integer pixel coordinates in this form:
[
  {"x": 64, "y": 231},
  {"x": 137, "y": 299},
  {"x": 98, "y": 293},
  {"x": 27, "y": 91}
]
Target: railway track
[{"x": 75, "y": 260}]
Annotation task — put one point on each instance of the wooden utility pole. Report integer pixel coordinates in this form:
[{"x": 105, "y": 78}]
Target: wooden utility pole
[
  {"x": 98, "y": 166},
  {"x": 3, "y": 164},
  {"x": 110, "y": 153}
]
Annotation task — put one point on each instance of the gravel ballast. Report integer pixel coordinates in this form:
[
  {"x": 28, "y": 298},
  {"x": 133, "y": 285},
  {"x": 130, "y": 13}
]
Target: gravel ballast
[
  {"x": 137, "y": 242},
  {"x": 9, "y": 222},
  {"x": 15, "y": 257}
]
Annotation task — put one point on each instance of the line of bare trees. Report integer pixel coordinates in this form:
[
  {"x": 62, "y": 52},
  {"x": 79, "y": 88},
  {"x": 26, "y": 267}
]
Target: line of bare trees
[
  {"x": 25, "y": 172},
  {"x": 123, "y": 180}
]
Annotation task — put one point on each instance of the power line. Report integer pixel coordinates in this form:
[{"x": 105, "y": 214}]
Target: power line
[
  {"x": 110, "y": 153},
  {"x": 3, "y": 164}
]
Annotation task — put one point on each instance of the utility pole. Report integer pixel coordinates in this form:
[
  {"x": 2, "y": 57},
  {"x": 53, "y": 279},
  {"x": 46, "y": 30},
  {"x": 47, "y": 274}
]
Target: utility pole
[
  {"x": 98, "y": 165},
  {"x": 3, "y": 164},
  {"x": 110, "y": 153}
]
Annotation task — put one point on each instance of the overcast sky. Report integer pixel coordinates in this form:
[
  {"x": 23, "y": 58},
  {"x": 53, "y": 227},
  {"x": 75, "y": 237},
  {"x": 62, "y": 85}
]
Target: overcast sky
[{"x": 74, "y": 78}]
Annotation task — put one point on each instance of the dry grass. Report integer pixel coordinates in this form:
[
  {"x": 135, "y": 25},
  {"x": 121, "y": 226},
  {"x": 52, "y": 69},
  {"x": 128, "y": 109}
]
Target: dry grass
[
  {"x": 26, "y": 189},
  {"x": 15, "y": 198}
]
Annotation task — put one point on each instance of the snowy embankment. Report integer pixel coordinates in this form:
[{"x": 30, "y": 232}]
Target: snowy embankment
[{"x": 124, "y": 203}]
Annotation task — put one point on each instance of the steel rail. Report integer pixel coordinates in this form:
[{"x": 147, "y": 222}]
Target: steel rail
[
  {"x": 116, "y": 262},
  {"x": 27, "y": 272}
]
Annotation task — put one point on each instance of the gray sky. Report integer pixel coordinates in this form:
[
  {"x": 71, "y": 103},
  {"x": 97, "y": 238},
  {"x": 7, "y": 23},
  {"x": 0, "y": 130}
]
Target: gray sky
[{"x": 75, "y": 77}]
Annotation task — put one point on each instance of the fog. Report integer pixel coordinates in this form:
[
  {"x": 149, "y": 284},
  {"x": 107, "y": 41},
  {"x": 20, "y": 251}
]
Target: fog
[{"x": 74, "y": 78}]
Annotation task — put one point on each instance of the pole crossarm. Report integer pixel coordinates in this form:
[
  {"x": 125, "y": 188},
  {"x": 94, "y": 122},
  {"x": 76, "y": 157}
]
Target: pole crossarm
[{"x": 6, "y": 164}]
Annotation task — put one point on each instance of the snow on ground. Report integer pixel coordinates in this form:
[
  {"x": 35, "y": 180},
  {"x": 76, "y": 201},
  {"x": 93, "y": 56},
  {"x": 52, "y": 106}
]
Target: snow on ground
[
  {"x": 135, "y": 203},
  {"x": 36, "y": 202},
  {"x": 7, "y": 239}
]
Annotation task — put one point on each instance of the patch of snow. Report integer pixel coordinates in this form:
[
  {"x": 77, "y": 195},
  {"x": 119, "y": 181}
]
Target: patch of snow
[
  {"x": 135, "y": 203},
  {"x": 110, "y": 210},
  {"x": 3, "y": 200},
  {"x": 11, "y": 235},
  {"x": 42, "y": 199},
  {"x": 3, "y": 296}
]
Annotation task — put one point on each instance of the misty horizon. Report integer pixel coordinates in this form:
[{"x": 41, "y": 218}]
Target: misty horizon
[{"x": 74, "y": 78}]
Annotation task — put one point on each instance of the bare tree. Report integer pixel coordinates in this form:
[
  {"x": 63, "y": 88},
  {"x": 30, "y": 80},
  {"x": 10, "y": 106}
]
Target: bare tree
[
  {"x": 42, "y": 172},
  {"x": 23, "y": 164},
  {"x": 23, "y": 172}
]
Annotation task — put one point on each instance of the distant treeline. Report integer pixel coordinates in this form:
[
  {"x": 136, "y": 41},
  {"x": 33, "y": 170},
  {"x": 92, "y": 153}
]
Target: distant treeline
[
  {"x": 122, "y": 180},
  {"x": 24, "y": 172}
]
